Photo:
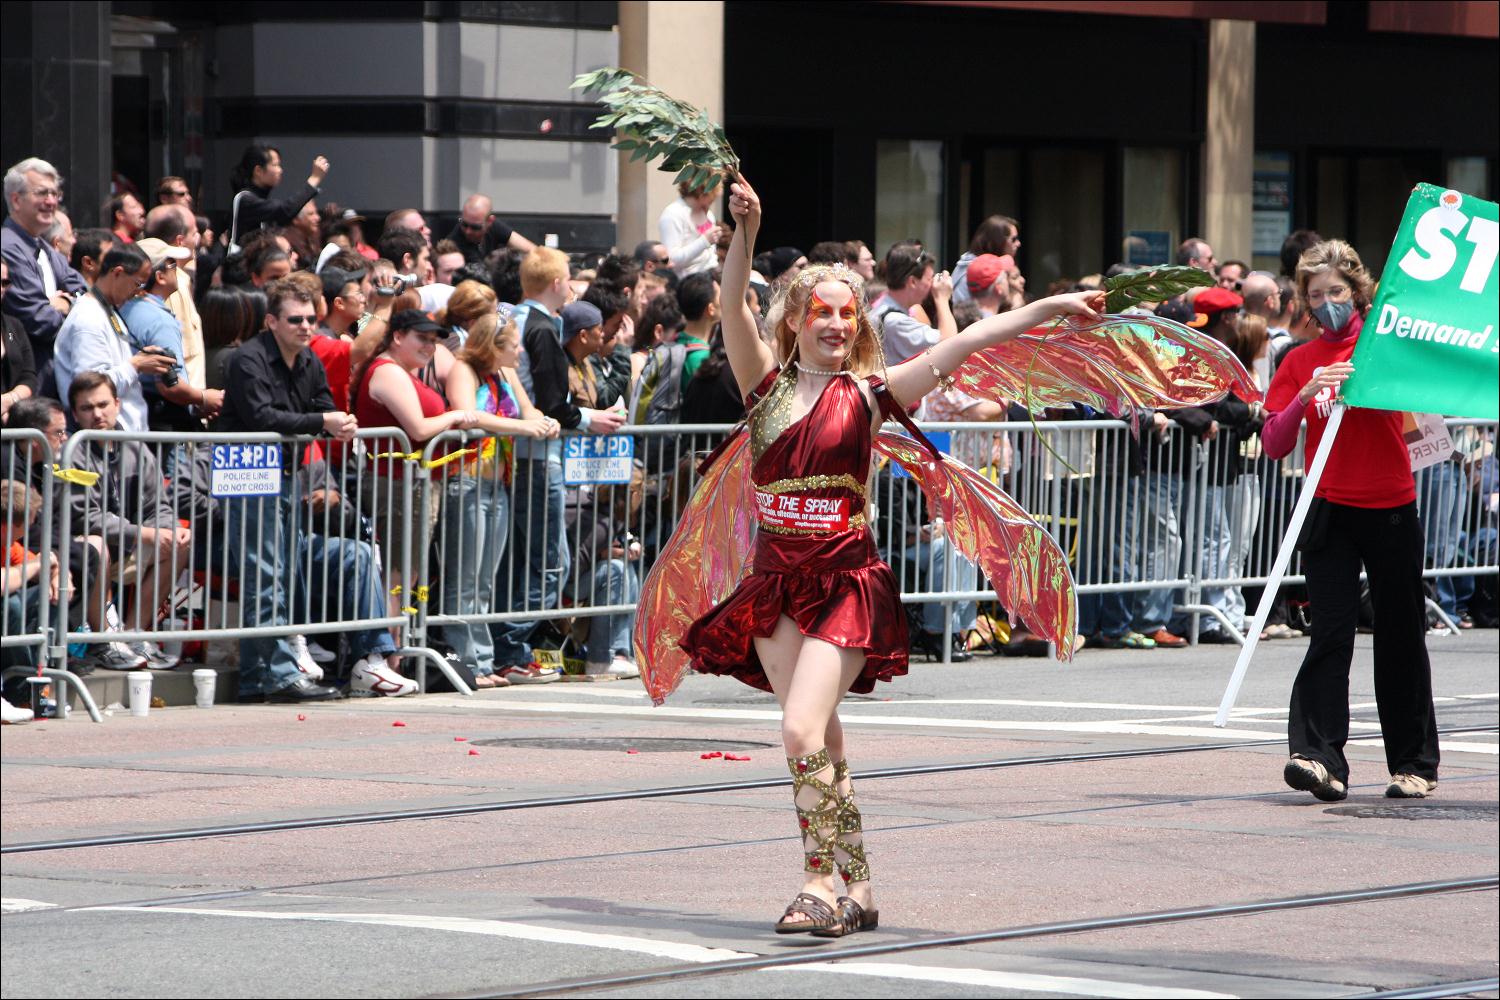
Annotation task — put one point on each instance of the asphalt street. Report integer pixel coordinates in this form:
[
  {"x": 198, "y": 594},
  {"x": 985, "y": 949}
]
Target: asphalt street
[{"x": 505, "y": 901}]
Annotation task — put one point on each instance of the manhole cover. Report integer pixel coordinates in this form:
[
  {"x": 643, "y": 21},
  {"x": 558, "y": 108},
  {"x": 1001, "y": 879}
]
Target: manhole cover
[
  {"x": 1476, "y": 812},
  {"x": 620, "y": 743}
]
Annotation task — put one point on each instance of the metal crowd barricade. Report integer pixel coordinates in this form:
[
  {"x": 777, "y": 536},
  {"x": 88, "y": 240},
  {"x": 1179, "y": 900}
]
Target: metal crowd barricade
[
  {"x": 26, "y": 626},
  {"x": 471, "y": 544},
  {"x": 169, "y": 561}
]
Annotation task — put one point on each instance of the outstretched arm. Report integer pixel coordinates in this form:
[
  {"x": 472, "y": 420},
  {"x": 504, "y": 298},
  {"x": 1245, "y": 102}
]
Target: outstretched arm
[
  {"x": 913, "y": 379},
  {"x": 749, "y": 357}
]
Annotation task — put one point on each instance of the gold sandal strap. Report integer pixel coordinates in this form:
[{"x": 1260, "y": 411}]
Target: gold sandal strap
[
  {"x": 840, "y": 770},
  {"x": 820, "y": 861},
  {"x": 810, "y": 764}
]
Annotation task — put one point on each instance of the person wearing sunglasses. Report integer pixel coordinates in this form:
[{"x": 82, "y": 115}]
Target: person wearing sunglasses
[
  {"x": 95, "y": 337},
  {"x": 479, "y": 234}
]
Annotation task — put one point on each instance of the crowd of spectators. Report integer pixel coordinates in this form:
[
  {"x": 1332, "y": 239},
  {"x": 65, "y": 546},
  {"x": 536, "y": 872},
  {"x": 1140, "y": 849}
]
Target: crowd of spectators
[{"x": 296, "y": 318}]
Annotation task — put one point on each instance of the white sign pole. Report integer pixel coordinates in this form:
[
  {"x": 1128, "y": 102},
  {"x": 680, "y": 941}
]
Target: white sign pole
[{"x": 1283, "y": 560}]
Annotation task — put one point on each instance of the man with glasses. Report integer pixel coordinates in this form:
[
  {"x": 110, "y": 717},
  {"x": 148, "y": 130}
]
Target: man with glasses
[
  {"x": 479, "y": 234},
  {"x": 174, "y": 403},
  {"x": 174, "y": 191},
  {"x": 43, "y": 286},
  {"x": 653, "y": 256},
  {"x": 277, "y": 384},
  {"x": 95, "y": 337}
]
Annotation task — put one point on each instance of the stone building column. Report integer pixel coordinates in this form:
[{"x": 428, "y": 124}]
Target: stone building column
[
  {"x": 1229, "y": 150},
  {"x": 678, "y": 47}
]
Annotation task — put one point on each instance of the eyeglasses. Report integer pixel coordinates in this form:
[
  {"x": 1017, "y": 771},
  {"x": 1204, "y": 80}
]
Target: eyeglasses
[
  {"x": 667, "y": 261},
  {"x": 472, "y": 227},
  {"x": 175, "y": 194},
  {"x": 1335, "y": 293},
  {"x": 170, "y": 265},
  {"x": 40, "y": 193},
  {"x": 430, "y": 339},
  {"x": 300, "y": 320}
]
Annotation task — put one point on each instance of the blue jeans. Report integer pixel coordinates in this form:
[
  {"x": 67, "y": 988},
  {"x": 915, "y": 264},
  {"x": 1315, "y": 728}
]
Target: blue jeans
[
  {"x": 272, "y": 553},
  {"x": 1443, "y": 499},
  {"x": 1243, "y": 501},
  {"x": 475, "y": 526},
  {"x": 1212, "y": 559},
  {"x": 1161, "y": 541},
  {"x": 615, "y": 582},
  {"x": 931, "y": 562},
  {"x": 1108, "y": 613},
  {"x": 539, "y": 561}
]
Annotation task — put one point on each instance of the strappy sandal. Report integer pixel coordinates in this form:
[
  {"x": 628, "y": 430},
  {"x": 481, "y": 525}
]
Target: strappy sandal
[
  {"x": 820, "y": 916},
  {"x": 851, "y": 919}
]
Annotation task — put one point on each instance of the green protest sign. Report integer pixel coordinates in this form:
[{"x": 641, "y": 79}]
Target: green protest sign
[{"x": 1429, "y": 344}]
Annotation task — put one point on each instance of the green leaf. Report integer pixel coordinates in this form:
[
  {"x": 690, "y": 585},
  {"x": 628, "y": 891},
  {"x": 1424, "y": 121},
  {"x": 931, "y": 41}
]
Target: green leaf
[{"x": 1152, "y": 284}]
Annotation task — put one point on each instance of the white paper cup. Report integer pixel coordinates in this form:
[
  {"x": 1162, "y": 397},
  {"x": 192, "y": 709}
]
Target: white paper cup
[
  {"x": 140, "y": 692},
  {"x": 204, "y": 681}
]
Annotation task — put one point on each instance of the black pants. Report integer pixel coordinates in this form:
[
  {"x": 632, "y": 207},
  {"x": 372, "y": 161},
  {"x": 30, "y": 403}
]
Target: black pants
[{"x": 1389, "y": 542}]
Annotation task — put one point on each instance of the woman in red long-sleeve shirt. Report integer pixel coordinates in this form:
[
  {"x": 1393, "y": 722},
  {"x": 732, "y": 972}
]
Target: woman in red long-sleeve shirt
[{"x": 1364, "y": 512}]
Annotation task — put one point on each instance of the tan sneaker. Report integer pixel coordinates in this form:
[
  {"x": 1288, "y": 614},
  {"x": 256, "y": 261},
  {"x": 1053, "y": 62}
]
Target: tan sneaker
[
  {"x": 1308, "y": 775},
  {"x": 1409, "y": 786}
]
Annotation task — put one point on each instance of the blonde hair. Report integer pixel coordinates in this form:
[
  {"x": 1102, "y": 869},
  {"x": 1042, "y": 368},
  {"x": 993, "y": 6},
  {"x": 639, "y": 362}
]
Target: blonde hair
[
  {"x": 540, "y": 268},
  {"x": 469, "y": 301},
  {"x": 789, "y": 302},
  {"x": 481, "y": 351},
  {"x": 1336, "y": 255}
]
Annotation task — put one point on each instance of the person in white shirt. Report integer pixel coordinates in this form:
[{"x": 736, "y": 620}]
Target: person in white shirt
[
  {"x": 689, "y": 230},
  {"x": 94, "y": 337}
]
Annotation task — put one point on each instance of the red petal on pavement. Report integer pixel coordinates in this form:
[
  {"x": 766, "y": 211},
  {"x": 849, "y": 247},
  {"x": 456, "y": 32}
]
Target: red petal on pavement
[
  {"x": 473, "y": 752},
  {"x": 705, "y": 756},
  {"x": 735, "y": 756},
  {"x": 717, "y": 753},
  {"x": 632, "y": 751},
  {"x": 460, "y": 739},
  {"x": 301, "y": 718},
  {"x": 398, "y": 722}
]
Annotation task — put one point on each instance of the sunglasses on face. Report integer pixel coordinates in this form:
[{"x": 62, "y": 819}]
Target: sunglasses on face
[{"x": 300, "y": 320}]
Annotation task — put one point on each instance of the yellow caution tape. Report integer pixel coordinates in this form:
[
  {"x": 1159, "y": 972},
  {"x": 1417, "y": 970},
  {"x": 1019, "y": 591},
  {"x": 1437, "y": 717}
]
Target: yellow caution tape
[
  {"x": 452, "y": 456},
  {"x": 422, "y": 594},
  {"x": 78, "y": 477},
  {"x": 406, "y": 456}
]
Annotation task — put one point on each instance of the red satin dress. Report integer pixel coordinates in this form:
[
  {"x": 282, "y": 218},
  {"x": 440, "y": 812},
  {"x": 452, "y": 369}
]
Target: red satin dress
[{"x": 814, "y": 558}]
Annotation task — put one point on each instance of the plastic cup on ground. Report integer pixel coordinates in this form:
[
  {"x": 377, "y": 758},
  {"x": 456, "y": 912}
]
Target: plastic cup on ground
[
  {"x": 140, "y": 692},
  {"x": 204, "y": 681}
]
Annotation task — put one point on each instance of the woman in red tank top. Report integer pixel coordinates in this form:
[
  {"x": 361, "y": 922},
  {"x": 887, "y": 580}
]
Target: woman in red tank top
[{"x": 385, "y": 392}]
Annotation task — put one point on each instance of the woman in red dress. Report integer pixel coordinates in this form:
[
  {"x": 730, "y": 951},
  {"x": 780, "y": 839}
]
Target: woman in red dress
[{"x": 819, "y": 613}]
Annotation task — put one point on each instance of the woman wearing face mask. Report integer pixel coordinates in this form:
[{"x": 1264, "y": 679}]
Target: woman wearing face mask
[{"x": 1364, "y": 512}]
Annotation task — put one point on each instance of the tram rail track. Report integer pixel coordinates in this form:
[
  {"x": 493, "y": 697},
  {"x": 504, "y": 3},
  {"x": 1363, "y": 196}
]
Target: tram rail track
[
  {"x": 837, "y": 953},
  {"x": 627, "y": 795}
]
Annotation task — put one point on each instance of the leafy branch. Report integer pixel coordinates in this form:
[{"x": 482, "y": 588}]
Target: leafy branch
[
  {"x": 654, "y": 125},
  {"x": 1152, "y": 284}
]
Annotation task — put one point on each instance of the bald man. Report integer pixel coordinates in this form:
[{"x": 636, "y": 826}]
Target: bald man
[
  {"x": 175, "y": 224},
  {"x": 479, "y": 234}
]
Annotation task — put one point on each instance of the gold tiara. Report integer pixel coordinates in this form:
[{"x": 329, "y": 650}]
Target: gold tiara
[{"x": 814, "y": 273}]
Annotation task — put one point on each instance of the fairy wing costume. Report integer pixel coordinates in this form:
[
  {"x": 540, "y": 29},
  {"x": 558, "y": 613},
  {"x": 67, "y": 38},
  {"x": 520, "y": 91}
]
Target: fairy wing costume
[{"x": 777, "y": 526}]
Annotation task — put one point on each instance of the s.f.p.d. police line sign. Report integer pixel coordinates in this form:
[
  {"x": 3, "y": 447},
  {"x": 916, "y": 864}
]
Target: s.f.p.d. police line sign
[
  {"x": 604, "y": 459},
  {"x": 246, "y": 470}
]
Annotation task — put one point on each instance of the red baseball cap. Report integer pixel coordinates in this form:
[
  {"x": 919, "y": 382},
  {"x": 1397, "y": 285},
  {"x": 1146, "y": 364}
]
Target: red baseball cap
[
  {"x": 1211, "y": 301},
  {"x": 985, "y": 270}
]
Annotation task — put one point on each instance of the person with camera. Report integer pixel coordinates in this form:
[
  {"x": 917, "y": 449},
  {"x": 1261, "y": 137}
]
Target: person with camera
[
  {"x": 172, "y": 403},
  {"x": 94, "y": 337}
]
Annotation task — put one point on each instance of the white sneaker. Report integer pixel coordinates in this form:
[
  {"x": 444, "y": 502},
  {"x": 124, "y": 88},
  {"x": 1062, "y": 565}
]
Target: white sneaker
[
  {"x": 155, "y": 658},
  {"x": 304, "y": 658},
  {"x": 375, "y": 675},
  {"x": 618, "y": 669},
  {"x": 10, "y": 714},
  {"x": 319, "y": 654}
]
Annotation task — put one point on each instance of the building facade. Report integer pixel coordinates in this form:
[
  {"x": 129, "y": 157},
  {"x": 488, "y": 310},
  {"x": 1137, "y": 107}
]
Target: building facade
[{"x": 1111, "y": 131}]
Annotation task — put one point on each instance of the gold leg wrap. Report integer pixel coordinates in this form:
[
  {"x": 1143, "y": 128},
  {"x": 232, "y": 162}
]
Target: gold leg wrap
[
  {"x": 819, "y": 821},
  {"x": 854, "y": 867}
]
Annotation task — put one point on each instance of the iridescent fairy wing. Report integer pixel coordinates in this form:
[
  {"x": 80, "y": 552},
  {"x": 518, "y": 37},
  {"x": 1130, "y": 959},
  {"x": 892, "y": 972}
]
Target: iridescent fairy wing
[
  {"x": 1115, "y": 364},
  {"x": 697, "y": 568},
  {"x": 1025, "y": 564}
]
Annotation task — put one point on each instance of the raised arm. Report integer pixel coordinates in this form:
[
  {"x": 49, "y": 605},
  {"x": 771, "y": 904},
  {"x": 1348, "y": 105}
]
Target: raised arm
[
  {"x": 913, "y": 379},
  {"x": 749, "y": 357}
]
